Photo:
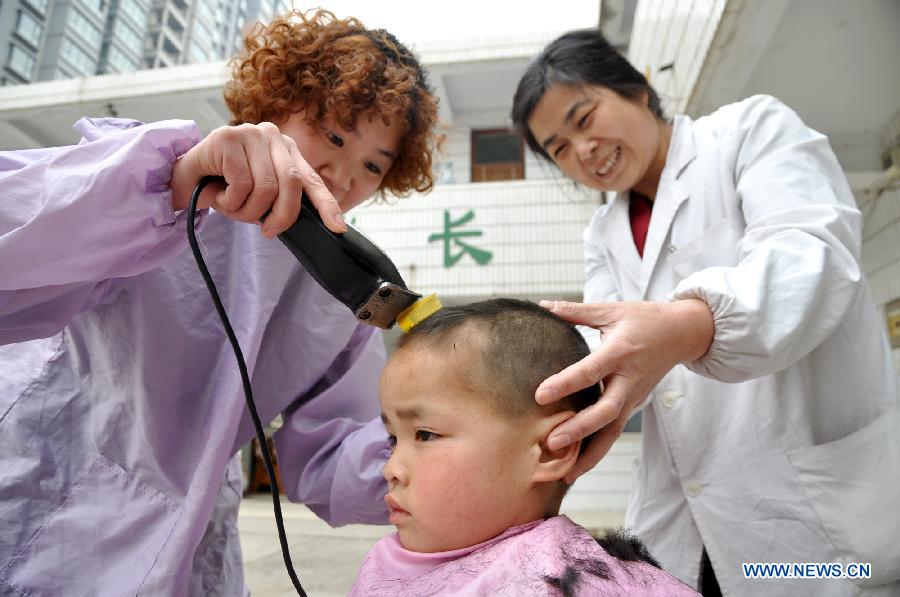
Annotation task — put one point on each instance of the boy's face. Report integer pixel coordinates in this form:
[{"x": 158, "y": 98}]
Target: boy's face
[
  {"x": 460, "y": 473},
  {"x": 352, "y": 164}
]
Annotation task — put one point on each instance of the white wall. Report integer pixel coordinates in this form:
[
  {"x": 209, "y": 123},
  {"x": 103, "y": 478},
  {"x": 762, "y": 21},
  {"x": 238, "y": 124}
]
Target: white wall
[
  {"x": 532, "y": 228},
  {"x": 677, "y": 32},
  {"x": 881, "y": 245},
  {"x": 881, "y": 249},
  {"x": 608, "y": 485}
]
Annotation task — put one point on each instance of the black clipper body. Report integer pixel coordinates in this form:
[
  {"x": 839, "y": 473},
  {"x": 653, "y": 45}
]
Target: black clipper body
[{"x": 350, "y": 267}]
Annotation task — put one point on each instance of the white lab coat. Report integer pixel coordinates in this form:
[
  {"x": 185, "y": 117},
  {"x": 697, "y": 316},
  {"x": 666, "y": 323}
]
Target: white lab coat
[{"x": 798, "y": 459}]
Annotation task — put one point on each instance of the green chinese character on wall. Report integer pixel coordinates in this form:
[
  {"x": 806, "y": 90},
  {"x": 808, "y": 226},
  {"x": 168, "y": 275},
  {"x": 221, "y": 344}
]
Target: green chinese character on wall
[{"x": 480, "y": 256}]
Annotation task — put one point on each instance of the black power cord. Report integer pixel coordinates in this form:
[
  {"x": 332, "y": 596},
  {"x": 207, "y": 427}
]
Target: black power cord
[{"x": 245, "y": 378}]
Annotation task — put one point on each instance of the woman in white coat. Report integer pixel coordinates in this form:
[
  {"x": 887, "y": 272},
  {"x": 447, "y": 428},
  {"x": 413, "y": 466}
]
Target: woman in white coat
[{"x": 724, "y": 276}]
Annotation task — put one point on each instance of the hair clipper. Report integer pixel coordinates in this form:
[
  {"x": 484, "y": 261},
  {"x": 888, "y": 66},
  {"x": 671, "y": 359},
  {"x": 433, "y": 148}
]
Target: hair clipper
[{"x": 349, "y": 266}]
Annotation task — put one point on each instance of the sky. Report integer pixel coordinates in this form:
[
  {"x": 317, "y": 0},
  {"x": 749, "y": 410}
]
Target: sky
[{"x": 417, "y": 21}]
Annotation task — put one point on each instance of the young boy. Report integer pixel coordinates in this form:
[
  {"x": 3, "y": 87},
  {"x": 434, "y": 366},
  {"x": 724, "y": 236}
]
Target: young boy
[{"x": 474, "y": 491}]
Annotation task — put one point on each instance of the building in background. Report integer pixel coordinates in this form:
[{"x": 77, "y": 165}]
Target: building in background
[
  {"x": 42, "y": 40},
  {"x": 196, "y": 31},
  {"x": 23, "y": 27}
]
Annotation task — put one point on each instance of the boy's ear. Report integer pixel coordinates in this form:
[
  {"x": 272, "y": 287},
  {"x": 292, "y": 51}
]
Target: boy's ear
[{"x": 554, "y": 465}]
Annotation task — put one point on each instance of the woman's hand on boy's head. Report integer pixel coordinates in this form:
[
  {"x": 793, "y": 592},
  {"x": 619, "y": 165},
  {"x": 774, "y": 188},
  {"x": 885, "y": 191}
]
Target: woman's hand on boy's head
[
  {"x": 264, "y": 171},
  {"x": 642, "y": 341}
]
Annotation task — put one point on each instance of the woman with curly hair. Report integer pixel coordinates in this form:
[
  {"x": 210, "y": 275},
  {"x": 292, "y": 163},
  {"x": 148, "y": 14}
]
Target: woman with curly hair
[{"x": 121, "y": 408}]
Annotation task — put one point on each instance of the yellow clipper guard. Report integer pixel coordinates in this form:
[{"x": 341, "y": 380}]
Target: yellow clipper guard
[{"x": 419, "y": 311}]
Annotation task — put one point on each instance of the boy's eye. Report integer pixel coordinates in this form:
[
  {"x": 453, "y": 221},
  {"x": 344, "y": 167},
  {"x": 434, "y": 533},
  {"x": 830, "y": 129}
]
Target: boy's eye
[
  {"x": 373, "y": 168},
  {"x": 392, "y": 441},
  {"x": 338, "y": 141},
  {"x": 426, "y": 436}
]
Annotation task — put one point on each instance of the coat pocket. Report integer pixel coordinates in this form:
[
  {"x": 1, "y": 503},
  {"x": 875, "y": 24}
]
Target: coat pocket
[
  {"x": 853, "y": 485},
  {"x": 718, "y": 245},
  {"x": 103, "y": 540}
]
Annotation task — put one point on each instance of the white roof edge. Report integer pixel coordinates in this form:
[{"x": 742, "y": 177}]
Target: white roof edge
[
  {"x": 189, "y": 77},
  {"x": 521, "y": 45},
  {"x": 45, "y": 94}
]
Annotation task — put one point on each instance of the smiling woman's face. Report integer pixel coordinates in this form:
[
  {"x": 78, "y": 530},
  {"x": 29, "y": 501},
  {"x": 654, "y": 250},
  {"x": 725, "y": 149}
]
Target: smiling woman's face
[{"x": 600, "y": 139}]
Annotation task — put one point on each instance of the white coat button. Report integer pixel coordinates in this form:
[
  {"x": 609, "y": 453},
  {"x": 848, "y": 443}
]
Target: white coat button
[
  {"x": 672, "y": 248},
  {"x": 692, "y": 487},
  {"x": 670, "y": 398}
]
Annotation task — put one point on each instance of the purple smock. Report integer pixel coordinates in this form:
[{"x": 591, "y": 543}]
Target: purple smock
[{"x": 121, "y": 405}]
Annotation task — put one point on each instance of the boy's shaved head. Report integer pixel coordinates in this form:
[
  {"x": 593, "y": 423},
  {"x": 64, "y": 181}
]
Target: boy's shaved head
[{"x": 508, "y": 348}]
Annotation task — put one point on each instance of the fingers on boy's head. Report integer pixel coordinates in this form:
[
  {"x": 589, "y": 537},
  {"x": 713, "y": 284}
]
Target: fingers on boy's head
[
  {"x": 510, "y": 346},
  {"x": 314, "y": 62}
]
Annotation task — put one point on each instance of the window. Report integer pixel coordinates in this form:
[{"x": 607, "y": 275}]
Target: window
[
  {"x": 497, "y": 154},
  {"x": 197, "y": 53},
  {"x": 21, "y": 62},
  {"x": 202, "y": 36},
  {"x": 170, "y": 50},
  {"x": 80, "y": 60},
  {"x": 205, "y": 11},
  {"x": 174, "y": 23},
  {"x": 86, "y": 30},
  {"x": 28, "y": 28},
  {"x": 129, "y": 38},
  {"x": 121, "y": 62},
  {"x": 39, "y": 5},
  {"x": 135, "y": 11}
]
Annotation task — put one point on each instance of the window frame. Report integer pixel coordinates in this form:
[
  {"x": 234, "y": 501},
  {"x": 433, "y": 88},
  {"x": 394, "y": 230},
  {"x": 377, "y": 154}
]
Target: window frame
[{"x": 488, "y": 172}]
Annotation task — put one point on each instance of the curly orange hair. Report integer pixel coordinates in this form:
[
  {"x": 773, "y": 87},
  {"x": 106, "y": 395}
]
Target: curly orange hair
[{"x": 329, "y": 66}]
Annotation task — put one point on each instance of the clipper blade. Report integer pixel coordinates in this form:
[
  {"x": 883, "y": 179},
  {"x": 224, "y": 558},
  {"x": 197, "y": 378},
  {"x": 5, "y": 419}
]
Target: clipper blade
[{"x": 419, "y": 311}]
